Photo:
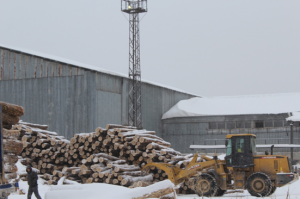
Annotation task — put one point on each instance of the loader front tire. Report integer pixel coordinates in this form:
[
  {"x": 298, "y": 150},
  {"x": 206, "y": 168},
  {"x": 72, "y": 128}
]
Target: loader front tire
[
  {"x": 220, "y": 192},
  {"x": 205, "y": 185},
  {"x": 259, "y": 185},
  {"x": 272, "y": 191}
]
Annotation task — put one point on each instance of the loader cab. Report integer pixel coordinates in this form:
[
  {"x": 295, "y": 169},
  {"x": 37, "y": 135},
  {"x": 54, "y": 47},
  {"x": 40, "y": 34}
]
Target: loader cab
[{"x": 240, "y": 149}]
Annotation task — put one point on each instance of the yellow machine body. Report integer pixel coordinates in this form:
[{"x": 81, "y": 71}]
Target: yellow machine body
[{"x": 275, "y": 168}]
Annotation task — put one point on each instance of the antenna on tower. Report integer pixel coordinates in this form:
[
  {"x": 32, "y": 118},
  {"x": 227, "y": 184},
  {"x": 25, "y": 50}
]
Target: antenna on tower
[{"x": 134, "y": 8}]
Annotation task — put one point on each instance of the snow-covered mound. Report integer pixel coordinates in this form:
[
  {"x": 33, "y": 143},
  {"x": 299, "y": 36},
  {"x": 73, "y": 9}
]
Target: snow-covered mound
[
  {"x": 102, "y": 190},
  {"x": 236, "y": 105}
]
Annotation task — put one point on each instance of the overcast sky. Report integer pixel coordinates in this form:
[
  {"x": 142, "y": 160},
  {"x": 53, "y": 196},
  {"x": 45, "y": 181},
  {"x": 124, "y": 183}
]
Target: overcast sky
[{"x": 209, "y": 48}]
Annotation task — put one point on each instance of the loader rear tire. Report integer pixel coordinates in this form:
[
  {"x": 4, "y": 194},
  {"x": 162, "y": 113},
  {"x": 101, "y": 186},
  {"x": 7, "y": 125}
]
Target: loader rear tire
[
  {"x": 205, "y": 185},
  {"x": 259, "y": 185}
]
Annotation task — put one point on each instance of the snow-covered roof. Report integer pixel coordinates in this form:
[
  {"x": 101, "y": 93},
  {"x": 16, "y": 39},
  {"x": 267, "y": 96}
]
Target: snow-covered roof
[
  {"x": 236, "y": 105},
  {"x": 295, "y": 117},
  {"x": 83, "y": 65}
]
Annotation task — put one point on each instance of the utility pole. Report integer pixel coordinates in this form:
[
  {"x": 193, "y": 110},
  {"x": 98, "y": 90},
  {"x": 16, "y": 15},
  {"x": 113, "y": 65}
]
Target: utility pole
[
  {"x": 292, "y": 138},
  {"x": 134, "y": 8}
]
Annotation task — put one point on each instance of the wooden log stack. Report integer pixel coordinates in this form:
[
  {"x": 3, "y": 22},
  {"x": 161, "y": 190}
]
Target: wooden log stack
[
  {"x": 12, "y": 148},
  {"x": 10, "y": 114},
  {"x": 113, "y": 155},
  {"x": 11, "y": 145}
]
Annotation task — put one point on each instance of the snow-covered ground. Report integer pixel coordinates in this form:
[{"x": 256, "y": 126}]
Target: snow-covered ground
[{"x": 105, "y": 191}]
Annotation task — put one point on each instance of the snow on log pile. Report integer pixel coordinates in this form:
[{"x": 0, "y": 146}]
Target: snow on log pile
[
  {"x": 113, "y": 155},
  {"x": 11, "y": 145}
]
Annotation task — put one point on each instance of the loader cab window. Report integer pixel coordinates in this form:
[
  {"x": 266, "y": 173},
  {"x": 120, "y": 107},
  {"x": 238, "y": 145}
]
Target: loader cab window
[
  {"x": 228, "y": 152},
  {"x": 240, "y": 145},
  {"x": 240, "y": 151},
  {"x": 253, "y": 146}
]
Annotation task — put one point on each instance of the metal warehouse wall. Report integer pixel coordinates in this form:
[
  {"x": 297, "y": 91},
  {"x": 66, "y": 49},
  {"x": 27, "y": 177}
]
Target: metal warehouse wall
[
  {"x": 182, "y": 132},
  {"x": 73, "y": 100}
]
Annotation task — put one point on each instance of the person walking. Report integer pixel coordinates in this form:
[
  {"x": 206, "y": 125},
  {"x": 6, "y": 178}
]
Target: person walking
[{"x": 32, "y": 182}]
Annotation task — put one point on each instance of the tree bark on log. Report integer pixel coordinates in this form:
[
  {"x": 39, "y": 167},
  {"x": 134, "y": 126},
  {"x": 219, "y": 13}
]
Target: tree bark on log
[
  {"x": 12, "y": 109},
  {"x": 10, "y": 158},
  {"x": 12, "y": 146},
  {"x": 10, "y": 168},
  {"x": 9, "y": 119},
  {"x": 11, "y": 134}
]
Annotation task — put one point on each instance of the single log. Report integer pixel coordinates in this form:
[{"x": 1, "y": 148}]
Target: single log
[
  {"x": 157, "y": 191},
  {"x": 156, "y": 146},
  {"x": 10, "y": 158},
  {"x": 169, "y": 151},
  {"x": 121, "y": 168},
  {"x": 112, "y": 126},
  {"x": 136, "y": 132},
  {"x": 151, "y": 140},
  {"x": 180, "y": 158},
  {"x": 10, "y": 168},
  {"x": 12, "y": 146},
  {"x": 128, "y": 180},
  {"x": 12, "y": 109},
  {"x": 10, "y": 176},
  {"x": 39, "y": 126},
  {"x": 11, "y": 134},
  {"x": 104, "y": 173},
  {"x": 9, "y": 119},
  {"x": 132, "y": 173}
]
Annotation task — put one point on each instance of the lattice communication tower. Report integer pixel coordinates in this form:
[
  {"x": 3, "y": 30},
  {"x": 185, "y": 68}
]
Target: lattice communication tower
[{"x": 134, "y": 8}]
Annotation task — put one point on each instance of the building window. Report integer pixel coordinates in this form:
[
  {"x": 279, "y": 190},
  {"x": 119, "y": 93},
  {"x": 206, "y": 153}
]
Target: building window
[
  {"x": 269, "y": 123},
  {"x": 221, "y": 125},
  {"x": 240, "y": 124},
  {"x": 259, "y": 124},
  {"x": 212, "y": 125},
  {"x": 230, "y": 125},
  {"x": 248, "y": 125},
  {"x": 278, "y": 123}
]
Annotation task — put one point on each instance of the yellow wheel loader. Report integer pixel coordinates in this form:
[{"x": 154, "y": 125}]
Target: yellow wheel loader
[{"x": 241, "y": 169}]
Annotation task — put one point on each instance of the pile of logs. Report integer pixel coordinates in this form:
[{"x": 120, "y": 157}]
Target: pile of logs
[
  {"x": 114, "y": 155},
  {"x": 11, "y": 145},
  {"x": 10, "y": 114}
]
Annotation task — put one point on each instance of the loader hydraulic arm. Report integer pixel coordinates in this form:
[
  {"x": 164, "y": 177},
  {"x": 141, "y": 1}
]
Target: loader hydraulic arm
[{"x": 177, "y": 175}]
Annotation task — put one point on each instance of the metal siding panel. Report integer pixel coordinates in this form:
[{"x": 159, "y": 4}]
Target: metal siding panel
[
  {"x": 12, "y": 64},
  {"x": 23, "y": 66},
  {"x": 1, "y": 63},
  {"x": 152, "y": 107},
  {"x": 65, "y": 70},
  {"x": 109, "y": 108},
  {"x": 55, "y": 69},
  {"x": 74, "y": 71},
  {"x": 17, "y": 66},
  {"x": 39, "y": 69},
  {"x": 45, "y": 68},
  {"x": 6, "y": 66},
  {"x": 91, "y": 99},
  {"x": 30, "y": 67},
  {"x": 109, "y": 83},
  {"x": 125, "y": 101}
]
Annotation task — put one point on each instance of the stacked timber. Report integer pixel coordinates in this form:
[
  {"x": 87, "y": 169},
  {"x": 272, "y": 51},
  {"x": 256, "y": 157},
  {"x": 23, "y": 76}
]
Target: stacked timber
[
  {"x": 12, "y": 148},
  {"x": 113, "y": 155},
  {"x": 11, "y": 145},
  {"x": 10, "y": 114}
]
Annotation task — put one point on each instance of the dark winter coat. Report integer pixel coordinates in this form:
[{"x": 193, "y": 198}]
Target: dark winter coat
[{"x": 31, "y": 177}]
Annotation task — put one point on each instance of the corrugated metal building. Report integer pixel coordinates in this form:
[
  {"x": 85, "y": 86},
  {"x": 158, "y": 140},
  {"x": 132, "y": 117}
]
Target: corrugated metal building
[
  {"x": 74, "y": 98},
  {"x": 212, "y": 129}
]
